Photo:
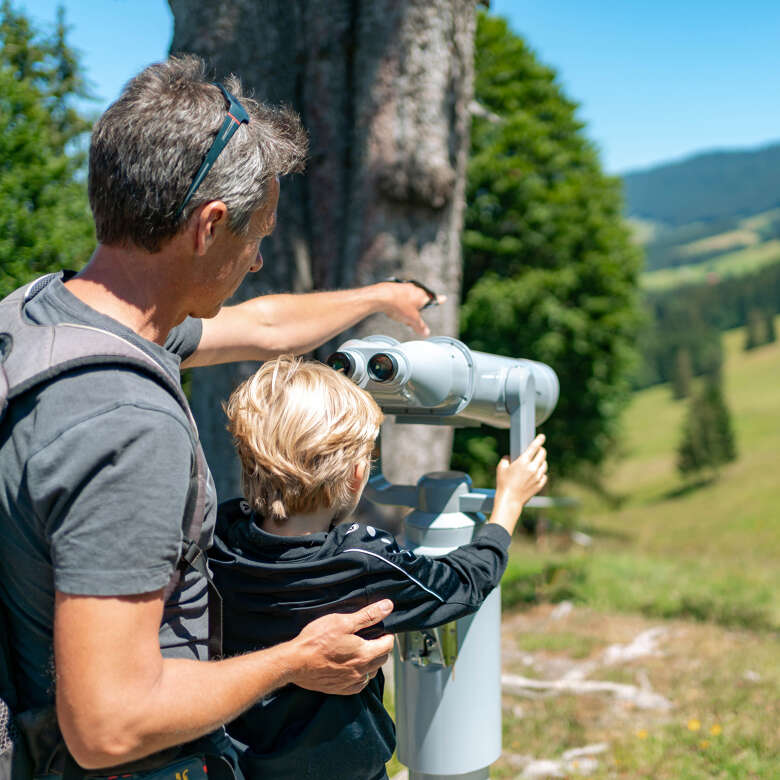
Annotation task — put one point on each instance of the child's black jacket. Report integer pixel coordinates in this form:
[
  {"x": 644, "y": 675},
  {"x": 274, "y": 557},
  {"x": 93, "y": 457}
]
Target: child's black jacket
[{"x": 272, "y": 586}]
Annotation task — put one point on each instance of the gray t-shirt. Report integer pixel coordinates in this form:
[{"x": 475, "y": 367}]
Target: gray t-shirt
[{"x": 95, "y": 468}]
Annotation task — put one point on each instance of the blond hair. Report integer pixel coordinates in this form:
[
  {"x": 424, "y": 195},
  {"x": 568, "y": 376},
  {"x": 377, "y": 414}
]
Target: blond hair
[{"x": 300, "y": 428}]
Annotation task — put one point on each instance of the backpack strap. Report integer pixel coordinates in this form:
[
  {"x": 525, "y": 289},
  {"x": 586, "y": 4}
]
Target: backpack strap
[{"x": 31, "y": 354}]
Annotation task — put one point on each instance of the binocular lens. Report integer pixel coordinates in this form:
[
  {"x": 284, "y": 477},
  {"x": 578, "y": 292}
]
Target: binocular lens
[
  {"x": 340, "y": 361},
  {"x": 382, "y": 368}
]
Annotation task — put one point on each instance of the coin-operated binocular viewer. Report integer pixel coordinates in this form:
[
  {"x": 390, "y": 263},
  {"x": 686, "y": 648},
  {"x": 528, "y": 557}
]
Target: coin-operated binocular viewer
[{"x": 448, "y": 679}]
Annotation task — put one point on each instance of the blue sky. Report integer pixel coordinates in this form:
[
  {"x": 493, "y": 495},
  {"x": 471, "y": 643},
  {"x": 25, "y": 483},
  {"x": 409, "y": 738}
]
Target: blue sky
[{"x": 655, "y": 80}]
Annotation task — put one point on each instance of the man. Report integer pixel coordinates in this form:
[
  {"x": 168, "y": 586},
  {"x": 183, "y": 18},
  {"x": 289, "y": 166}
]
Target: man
[{"x": 95, "y": 465}]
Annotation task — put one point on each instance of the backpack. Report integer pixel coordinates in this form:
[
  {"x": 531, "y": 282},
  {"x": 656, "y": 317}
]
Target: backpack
[{"x": 31, "y": 354}]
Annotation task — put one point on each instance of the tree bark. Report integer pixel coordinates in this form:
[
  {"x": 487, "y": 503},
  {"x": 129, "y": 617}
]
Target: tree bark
[{"x": 383, "y": 87}]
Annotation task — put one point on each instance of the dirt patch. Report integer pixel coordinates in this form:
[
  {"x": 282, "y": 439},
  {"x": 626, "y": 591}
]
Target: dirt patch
[{"x": 663, "y": 697}]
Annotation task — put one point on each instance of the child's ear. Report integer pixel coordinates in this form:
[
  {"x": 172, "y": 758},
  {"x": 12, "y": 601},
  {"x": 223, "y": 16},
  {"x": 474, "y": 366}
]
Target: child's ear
[{"x": 358, "y": 476}]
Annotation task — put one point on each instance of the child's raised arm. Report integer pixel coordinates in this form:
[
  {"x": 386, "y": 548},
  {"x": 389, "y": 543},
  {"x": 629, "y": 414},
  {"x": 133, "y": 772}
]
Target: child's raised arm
[
  {"x": 516, "y": 482},
  {"x": 430, "y": 591}
]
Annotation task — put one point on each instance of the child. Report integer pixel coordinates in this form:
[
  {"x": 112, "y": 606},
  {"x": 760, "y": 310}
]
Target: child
[{"x": 305, "y": 434}]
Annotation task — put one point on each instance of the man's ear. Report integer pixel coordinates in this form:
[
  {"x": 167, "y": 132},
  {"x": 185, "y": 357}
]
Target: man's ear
[{"x": 208, "y": 222}]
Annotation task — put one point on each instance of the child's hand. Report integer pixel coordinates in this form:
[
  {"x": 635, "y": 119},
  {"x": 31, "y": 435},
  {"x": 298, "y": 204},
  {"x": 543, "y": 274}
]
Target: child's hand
[{"x": 517, "y": 481}]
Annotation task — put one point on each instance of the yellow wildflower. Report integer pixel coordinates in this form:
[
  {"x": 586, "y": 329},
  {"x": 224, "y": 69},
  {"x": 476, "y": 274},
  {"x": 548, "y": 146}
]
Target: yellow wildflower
[
  {"x": 715, "y": 729},
  {"x": 704, "y": 744},
  {"x": 694, "y": 724},
  {"x": 642, "y": 733}
]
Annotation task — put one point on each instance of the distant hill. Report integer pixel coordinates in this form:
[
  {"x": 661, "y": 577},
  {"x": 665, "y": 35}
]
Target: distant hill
[
  {"x": 715, "y": 209},
  {"x": 708, "y": 187}
]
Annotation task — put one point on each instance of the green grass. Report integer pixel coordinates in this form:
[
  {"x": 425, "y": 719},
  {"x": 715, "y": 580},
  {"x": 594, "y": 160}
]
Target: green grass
[
  {"x": 738, "y": 263},
  {"x": 700, "y": 557},
  {"x": 573, "y": 645},
  {"x": 723, "y": 686},
  {"x": 706, "y": 550}
]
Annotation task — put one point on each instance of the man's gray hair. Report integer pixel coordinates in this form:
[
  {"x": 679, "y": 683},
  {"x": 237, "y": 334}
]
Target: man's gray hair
[{"x": 148, "y": 145}]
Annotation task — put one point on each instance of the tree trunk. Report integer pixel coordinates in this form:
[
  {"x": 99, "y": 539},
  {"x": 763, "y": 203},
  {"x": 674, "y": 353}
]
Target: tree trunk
[{"x": 383, "y": 87}]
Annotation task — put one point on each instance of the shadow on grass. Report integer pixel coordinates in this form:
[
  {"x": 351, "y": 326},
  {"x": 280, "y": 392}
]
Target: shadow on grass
[
  {"x": 686, "y": 489},
  {"x": 614, "y": 534}
]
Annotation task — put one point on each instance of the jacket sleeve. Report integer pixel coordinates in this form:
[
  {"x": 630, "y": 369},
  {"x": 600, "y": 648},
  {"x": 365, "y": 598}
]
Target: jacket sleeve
[{"x": 428, "y": 592}]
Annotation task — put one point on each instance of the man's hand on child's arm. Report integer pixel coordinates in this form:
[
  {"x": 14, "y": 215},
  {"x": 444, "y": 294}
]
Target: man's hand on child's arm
[
  {"x": 331, "y": 659},
  {"x": 516, "y": 482}
]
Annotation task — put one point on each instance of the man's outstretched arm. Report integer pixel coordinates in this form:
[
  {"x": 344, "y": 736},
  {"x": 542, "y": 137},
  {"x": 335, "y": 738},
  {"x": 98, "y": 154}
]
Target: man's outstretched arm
[
  {"x": 263, "y": 328},
  {"x": 119, "y": 700}
]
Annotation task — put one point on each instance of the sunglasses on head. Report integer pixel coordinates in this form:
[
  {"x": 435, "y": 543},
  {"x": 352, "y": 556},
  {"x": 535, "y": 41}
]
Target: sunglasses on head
[{"x": 236, "y": 115}]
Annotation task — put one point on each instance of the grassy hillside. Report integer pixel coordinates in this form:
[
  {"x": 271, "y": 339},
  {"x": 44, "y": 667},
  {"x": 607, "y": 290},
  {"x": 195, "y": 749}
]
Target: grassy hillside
[
  {"x": 695, "y": 210},
  {"x": 708, "y": 246},
  {"x": 734, "y": 263},
  {"x": 707, "y": 550},
  {"x": 694, "y": 566}
]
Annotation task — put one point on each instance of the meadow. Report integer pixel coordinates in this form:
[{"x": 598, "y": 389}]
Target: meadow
[
  {"x": 691, "y": 565},
  {"x": 745, "y": 247},
  {"x": 737, "y": 263}
]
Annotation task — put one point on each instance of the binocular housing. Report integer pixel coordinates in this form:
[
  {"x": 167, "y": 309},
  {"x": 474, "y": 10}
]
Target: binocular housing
[{"x": 441, "y": 381}]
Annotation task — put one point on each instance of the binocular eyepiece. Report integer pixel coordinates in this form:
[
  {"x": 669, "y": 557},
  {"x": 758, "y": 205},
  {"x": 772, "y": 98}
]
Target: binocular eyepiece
[
  {"x": 440, "y": 381},
  {"x": 381, "y": 367}
]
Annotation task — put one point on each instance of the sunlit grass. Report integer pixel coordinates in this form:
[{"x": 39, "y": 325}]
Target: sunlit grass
[
  {"x": 701, "y": 554},
  {"x": 723, "y": 686},
  {"x": 739, "y": 263},
  {"x": 706, "y": 548}
]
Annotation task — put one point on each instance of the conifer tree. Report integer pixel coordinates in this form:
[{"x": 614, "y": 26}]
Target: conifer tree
[
  {"x": 755, "y": 329},
  {"x": 771, "y": 332},
  {"x": 550, "y": 272},
  {"x": 708, "y": 438},
  {"x": 683, "y": 374},
  {"x": 45, "y": 222}
]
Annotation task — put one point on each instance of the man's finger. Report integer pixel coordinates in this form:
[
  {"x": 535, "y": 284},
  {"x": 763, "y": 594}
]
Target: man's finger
[
  {"x": 377, "y": 652},
  {"x": 370, "y": 615},
  {"x": 419, "y": 326},
  {"x": 357, "y": 688}
]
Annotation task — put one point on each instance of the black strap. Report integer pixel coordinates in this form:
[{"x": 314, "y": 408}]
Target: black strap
[{"x": 193, "y": 556}]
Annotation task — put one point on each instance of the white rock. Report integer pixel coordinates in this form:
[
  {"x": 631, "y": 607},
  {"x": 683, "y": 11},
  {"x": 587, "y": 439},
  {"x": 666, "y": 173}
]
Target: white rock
[
  {"x": 582, "y": 766},
  {"x": 540, "y": 769},
  {"x": 644, "y": 644},
  {"x": 644, "y": 699},
  {"x": 587, "y": 750},
  {"x": 582, "y": 539},
  {"x": 562, "y": 610}
]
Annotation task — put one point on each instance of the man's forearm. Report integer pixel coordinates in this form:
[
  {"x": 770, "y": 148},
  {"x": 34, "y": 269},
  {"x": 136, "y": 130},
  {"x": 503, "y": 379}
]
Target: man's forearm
[
  {"x": 119, "y": 700},
  {"x": 186, "y": 700},
  {"x": 263, "y": 328}
]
